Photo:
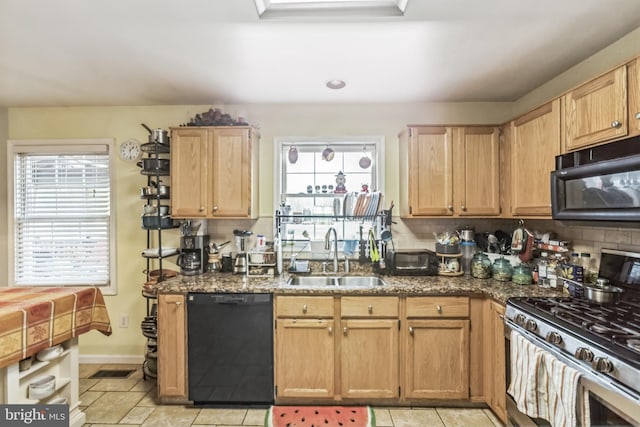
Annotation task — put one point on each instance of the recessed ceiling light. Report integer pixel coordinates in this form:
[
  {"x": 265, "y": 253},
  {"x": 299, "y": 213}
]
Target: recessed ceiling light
[
  {"x": 280, "y": 8},
  {"x": 336, "y": 84}
]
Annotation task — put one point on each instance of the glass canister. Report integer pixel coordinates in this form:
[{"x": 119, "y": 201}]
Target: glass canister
[
  {"x": 501, "y": 269},
  {"x": 522, "y": 275},
  {"x": 480, "y": 266}
]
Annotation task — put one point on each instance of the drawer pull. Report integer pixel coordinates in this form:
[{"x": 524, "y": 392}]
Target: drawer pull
[
  {"x": 330, "y": 329},
  {"x": 616, "y": 124},
  {"x": 177, "y": 303},
  {"x": 345, "y": 330},
  {"x": 201, "y": 208},
  {"x": 304, "y": 308},
  {"x": 411, "y": 330},
  {"x": 370, "y": 308},
  {"x": 439, "y": 308}
]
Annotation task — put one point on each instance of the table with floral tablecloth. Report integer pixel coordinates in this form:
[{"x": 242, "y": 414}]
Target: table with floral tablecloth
[{"x": 34, "y": 318}]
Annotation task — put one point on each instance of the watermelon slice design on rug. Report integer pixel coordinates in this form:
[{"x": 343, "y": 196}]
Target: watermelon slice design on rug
[{"x": 320, "y": 416}]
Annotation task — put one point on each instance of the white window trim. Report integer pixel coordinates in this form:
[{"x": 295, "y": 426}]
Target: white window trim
[
  {"x": 278, "y": 161},
  {"x": 61, "y": 146}
]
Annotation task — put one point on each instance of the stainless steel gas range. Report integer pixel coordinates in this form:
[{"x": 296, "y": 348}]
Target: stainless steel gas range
[{"x": 600, "y": 341}]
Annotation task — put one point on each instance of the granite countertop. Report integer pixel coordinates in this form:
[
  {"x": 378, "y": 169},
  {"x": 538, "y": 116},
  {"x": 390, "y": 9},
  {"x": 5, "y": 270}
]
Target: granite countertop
[{"x": 396, "y": 285}]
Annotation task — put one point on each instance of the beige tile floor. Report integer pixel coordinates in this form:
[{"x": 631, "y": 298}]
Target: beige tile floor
[{"x": 131, "y": 402}]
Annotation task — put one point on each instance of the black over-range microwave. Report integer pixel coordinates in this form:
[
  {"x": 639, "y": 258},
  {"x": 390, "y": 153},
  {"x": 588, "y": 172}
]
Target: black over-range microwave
[{"x": 599, "y": 183}]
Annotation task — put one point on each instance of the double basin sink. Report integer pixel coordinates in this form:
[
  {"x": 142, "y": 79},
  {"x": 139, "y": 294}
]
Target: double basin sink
[{"x": 344, "y": 282}]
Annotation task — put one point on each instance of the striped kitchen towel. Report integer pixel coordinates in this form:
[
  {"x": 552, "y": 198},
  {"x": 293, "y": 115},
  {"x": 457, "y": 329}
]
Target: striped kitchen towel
[{"x": 544, "y": 387}]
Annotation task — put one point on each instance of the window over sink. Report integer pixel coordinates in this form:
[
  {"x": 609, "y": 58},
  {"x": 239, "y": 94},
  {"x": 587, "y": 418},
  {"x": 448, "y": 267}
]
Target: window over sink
[{"x": 315, "y": 178}]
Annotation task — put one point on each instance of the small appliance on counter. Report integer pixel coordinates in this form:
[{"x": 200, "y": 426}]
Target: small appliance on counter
[
  {"x": 411, "y": 262},
  {"x": 240, "y": 263},
  {"x": 193, "y": 254}
]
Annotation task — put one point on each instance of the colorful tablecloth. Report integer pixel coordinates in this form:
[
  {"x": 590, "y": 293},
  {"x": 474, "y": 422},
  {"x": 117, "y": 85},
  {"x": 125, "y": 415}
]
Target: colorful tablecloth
[{"x": 32, "y": 319}]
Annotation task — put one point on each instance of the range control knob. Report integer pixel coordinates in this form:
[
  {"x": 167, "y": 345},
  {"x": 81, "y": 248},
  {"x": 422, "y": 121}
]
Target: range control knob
[
  {"x": 531, "y": 325},
  {"x": 584, "y": 354},
  {"x": 554, "y": 338},
  {"x": 602, "y": 364},
  {"x": 519, "y": 319}
]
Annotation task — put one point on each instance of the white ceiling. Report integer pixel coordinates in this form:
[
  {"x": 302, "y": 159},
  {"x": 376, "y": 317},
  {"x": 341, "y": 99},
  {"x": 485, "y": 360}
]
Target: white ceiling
[{"x": 199, "y": 52}]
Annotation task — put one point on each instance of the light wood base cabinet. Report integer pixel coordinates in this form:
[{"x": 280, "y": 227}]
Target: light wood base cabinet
[
  {"x": 494, "y": 362},
  {"x": 172, "y": 348},
  {"x": 214, "y": 172},
  {"x": 305, "y": 358}
]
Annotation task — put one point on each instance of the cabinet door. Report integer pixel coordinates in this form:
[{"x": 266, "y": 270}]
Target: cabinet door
[
  {"x": 494, "y": 360},
  {"x": 231, "y": 177},
  {"x": 477, "y": 171},
  {"x": 305, "y": 358},
  {"x": 633, "y": 79},
  {"x": 596, "y": 111},
  {"x": 437, "y": 359},
  {"x": 189, "y": 173},
  {"x": 369, "y": 358},
  {"x": 430, "y": 171},
  {"x": 535, "y": 141},
  {"x": 172, "y": 348}
]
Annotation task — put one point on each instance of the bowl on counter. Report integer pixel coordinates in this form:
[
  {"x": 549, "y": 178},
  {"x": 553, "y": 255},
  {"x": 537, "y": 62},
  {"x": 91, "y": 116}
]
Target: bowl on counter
[{"x": 42, "y": 387}]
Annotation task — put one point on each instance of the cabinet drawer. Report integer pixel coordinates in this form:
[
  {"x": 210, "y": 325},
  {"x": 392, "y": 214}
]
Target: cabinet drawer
[
  {"x": 438, "y": 307},
  {"x": 304, "y": 306},
  {"x": 369, "y": 306}
]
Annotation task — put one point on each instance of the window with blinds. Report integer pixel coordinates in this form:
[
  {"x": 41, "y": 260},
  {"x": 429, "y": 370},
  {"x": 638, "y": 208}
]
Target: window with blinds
[{"x": 62, "y": 216}]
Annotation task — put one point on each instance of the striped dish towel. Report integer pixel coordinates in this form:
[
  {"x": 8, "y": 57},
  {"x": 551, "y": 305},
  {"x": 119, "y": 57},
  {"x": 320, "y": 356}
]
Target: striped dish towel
[{"x": 544, "y": 387}]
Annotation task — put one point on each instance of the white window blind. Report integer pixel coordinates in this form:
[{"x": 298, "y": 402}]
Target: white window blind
[{"x": 62, "y": 221}]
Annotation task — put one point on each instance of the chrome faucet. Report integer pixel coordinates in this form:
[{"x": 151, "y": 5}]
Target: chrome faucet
[{"x": 327, "y": 246}]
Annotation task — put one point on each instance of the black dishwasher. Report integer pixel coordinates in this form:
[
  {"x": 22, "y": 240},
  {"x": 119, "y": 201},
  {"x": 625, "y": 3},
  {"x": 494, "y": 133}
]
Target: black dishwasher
[{"x": 230, "y": 346}]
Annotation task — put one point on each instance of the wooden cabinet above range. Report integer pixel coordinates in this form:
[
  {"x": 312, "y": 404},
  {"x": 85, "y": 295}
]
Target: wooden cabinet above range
[
  {"x": 214, "y": 172},
  {"x": 449, "y": 171}
]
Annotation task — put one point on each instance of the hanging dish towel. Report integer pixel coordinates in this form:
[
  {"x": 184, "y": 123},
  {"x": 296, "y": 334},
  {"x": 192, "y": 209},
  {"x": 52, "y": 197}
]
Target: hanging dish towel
[{"x": 544, "y": 387}]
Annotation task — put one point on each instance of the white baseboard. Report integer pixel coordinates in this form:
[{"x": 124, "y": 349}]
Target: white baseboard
[{"x": 101, "y": 359}]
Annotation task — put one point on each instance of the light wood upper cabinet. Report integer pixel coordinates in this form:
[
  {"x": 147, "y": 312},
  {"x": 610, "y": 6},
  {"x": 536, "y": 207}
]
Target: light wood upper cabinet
[
  {"x": 596, "y": 111},
  {"x": 534, "y": 141},
  {"x": 476, "y": 168},
  {"x": 305, "y": 358},
  {"x": 426, "y": 168},
  {"x": 214, "y": 172},
  {"x": 633, "y": 79},
  {"x": 449, "y": 171},
  {"x": 172, "y": 347},
  {"x": 494, "y": 359}
]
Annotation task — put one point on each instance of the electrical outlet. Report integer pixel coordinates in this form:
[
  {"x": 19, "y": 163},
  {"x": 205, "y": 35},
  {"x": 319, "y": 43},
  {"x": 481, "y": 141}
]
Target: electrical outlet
[{"x": 124, "y": 321}]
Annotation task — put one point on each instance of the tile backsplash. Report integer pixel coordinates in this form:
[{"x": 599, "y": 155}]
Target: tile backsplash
[{"x": 418, "y": 233}]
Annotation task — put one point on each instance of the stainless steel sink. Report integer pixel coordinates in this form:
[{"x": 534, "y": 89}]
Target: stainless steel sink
[{"x": 346, "y": 282}]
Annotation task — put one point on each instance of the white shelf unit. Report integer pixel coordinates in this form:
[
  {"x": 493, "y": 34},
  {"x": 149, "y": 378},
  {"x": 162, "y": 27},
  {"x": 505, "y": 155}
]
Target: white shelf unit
[{"x": 65, "y": 368}]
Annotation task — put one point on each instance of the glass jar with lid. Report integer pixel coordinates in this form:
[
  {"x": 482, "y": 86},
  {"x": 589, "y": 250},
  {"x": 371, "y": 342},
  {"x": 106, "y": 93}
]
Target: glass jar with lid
[
  {"x": 522, "y": 275},
  {"x": 480, "y": 266},
  {"x": 501, "y": 269}
]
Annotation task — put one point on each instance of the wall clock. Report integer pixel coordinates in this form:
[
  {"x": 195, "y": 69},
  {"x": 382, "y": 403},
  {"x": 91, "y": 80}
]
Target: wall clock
[{"x": 130, "y": 150}]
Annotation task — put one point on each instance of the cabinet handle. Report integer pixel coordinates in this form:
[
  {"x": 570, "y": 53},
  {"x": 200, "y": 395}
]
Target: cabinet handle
[
  {"x": 370, "y": 308},
  {"x": 439, "y": 308},
  {"x": 304, "y": 308},
  {"x": 450, "y": 207},
  {"x": 330, "y": 329},
  {"x": 345, "y": 330},
  {"x": 215, "y": 209},
  {"x": 177, "y": 303},
  {"x": 638, "y": 115},
  {"x": 464, "y": 208},
  {"x": 201, "y": 208},
  {"x": 616, "y": 124},
  {"x": 410, "y": 330}
]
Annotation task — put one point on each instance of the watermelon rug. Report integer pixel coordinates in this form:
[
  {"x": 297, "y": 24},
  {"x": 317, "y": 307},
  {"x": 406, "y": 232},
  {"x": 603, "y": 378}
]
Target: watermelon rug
[{"x": 320, "y": 416}]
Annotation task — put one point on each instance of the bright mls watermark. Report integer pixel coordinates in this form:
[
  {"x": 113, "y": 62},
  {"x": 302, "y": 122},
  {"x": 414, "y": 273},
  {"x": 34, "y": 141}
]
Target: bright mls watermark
[{"x": 34, "y": 415}]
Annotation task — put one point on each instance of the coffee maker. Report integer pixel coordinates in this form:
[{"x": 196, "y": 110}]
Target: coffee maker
[
  {"x": 240, "y": 263},
  {"x": 193, "y": 254}
]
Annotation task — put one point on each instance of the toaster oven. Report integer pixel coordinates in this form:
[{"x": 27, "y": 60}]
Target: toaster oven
[{"x": 411, "y": 262}]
